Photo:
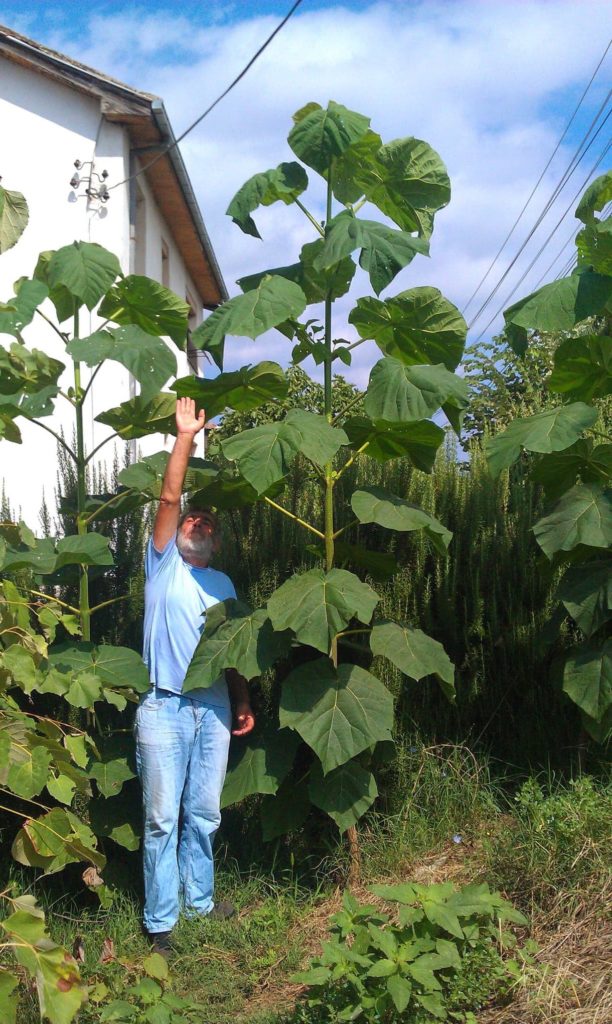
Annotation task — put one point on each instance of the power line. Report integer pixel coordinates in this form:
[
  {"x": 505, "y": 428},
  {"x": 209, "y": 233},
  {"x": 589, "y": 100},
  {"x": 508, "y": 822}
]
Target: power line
[
  {"x": 212, "y": 106},
  {"x": 541, "y": 250},
  {"x": 571, "y": 168},
  {"x": 537, "y": 184}
]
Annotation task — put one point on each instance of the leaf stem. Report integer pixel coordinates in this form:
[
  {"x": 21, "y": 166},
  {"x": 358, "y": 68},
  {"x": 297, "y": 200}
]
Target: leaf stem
[
  {"x": 120, "y": 494},
  {"x": 297, "y": 519},
  {"x": 105, "y": 604},
  {"x": 55, "y": 600},
  {"x": 101, "y": 445},
  {"x": 342, "y": 529},
  {"x": 350, "y": 461},
  {"x": 53, "y": 326},
  {"x": 91, "y": 380},
  {"x": 312, "y": 219},
  {"x": 348, "y": 406},
  {"x": 49, "y": 430}
]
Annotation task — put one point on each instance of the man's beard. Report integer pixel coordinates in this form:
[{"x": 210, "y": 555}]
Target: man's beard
[{"x": 200, "y": 548}]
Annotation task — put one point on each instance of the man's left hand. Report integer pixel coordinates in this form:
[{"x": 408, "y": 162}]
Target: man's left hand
[{"x": 244, "y": 718}]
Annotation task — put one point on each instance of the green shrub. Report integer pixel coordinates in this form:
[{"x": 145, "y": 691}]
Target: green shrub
[
  {"x": 438, "y": 957},
  {"x": 555, "y": 840}
]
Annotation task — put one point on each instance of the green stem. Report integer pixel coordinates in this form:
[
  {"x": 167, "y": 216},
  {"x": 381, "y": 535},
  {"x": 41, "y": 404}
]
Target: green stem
[
  {"x": 61, "y": 334},
  {"x": 81, "y": 492},
  {"x": 92, "y": 378},
  {"x": 312, "y": 219},
  {"x": 105, "y": 604},
  {"x": 302, "y": 522},
  {"x": 101, "y": 445},
  {"x": 599, "y": 433},
  {"x": 327, "y": 384},
  {"x": 94, "y": 515},
  {"x": 343, "y": 529},
  {"x": 355, "y": 344},
  {"x": 349, "y": 405},
  {"x": 53, "y": 600},
  {"x": 350, "y": 461}
]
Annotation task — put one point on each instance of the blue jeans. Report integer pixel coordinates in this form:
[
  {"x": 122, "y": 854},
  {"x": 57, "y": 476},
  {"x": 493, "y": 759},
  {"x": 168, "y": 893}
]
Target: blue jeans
[{"x": 181, "y": 756}]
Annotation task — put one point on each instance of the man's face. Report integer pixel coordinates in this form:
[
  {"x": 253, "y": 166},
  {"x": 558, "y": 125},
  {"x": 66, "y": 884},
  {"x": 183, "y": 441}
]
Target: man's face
[{"x": 198, "y": 536}]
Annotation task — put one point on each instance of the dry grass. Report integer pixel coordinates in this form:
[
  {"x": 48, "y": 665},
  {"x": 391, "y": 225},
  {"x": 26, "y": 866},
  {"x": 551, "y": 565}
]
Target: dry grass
[{"x": 576, "y": 958}]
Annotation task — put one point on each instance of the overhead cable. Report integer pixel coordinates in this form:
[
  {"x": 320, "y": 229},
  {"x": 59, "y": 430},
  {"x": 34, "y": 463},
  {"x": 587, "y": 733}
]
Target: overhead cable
[
  {"x": 212, "y": 106},
  {"x": 543, "y": 246},
  {"x": 576, "y": 160},
  {"x": 537, "y": 184}
]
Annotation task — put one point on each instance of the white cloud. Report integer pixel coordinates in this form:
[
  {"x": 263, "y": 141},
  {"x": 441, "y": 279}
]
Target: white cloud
[{"x": 490, "y": 85}]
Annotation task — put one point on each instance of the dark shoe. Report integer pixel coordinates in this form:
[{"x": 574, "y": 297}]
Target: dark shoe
[
  {"x": 222, "y": 911},
  {"x": 160, "y": 942}
]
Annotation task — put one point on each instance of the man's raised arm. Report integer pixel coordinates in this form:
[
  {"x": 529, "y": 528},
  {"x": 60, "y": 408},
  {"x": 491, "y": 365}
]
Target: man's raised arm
[{"x": 169, "y": 511}]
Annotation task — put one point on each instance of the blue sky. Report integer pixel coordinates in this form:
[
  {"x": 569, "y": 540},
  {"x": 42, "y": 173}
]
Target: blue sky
[{"x": 489, "y": 84}]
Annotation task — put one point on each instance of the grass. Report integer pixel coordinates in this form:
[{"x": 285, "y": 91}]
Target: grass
[{"x": 544, "y": 843}]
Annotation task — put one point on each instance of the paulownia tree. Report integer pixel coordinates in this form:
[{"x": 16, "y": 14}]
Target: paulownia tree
[
  {"x": 573, "y": 442},
  {"x": 328, "y": 703}
]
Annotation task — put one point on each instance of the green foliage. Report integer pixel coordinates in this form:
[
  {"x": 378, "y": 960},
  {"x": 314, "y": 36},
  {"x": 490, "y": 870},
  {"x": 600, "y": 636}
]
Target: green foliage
[
  {"x": 412, "y": 964},
  {"x": 14, "y": 216},
  {"x": 578, "y": 527}
]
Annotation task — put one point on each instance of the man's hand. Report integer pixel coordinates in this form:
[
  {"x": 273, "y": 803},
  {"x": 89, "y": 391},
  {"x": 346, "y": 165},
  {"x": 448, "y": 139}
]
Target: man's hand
[
  {"x": 244, "y": 718},
  {"x": 186, "y": 420}
]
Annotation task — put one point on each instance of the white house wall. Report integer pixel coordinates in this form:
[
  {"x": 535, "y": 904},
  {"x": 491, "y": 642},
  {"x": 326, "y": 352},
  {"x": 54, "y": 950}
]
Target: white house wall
[{"x": 45, "y": 127}]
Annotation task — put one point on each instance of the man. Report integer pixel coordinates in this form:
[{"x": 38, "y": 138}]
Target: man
[{"x": 182, "y": 741}]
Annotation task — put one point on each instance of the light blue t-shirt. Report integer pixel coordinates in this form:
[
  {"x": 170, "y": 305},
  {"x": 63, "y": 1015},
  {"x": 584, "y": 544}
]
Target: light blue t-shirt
[{"x": 177, "y": 596}]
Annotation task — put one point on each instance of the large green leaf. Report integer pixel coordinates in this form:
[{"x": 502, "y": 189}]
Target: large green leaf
[
  {"x": 110, "y": 775},
  {"x": 118, "y": 818},
  {"x": 230, "y": 491},
  {"x": 586, "y": 592},
  {"x": 414, "y": 653},
  {"x": 46, "y": 558},
  {"x": 582, "y": 516},
  {"x": 549, "y": 431},
  {"x": 339, "y": 712},
  {"x": 142, "y": 301},
  {"x": 242, "y": 389},
  {"x": 8, "y": 998},
  {"x": 583, "y": 368},
  {"x": 319, "y": 136},
  {"x": 417, "y": 326},
  {"x": 264, "y": 454},
  {"x": 283, "y": 183},
  {"x": 258, "y": 765},
  {"x": 147, "y": 475},
  {"x": 55, "y": 839},
  {"x": 85, "y": 269},
  {"x": 380, "y": 565},
  {"x": 18, "y": 312},
  {"x": 28, "y": 770},
  {"x": 115, "y": 667},
  {"x": 234, "y": 637},
  {"x": 558, "y": 471},
  {"x": 286, "y": 811},
  {"x": 334, "y": 281},
  {"x": 597, "y": 195},
  {"x": 317, "y": 605},
  {"x": 345, "y": 794},
  {"x": 60, "y": 296},
  {"x": 14, "y": 218},
  {"x": 405, "y": 179},
  {"x": 373, "y": 505},
  {"x": 273, "y": 301},
  {"x": 417, "y": 441},
  {"x": 52, "y": 970},
  {"x": 587, "y": 679},
  {"x": 399, "y": 393},
  {"x": 594, "y": 245},
  {"x": 139, "y": 416},
  {"x": 146, "y": 356},
  {"x": 28, "y": 371},
  {"x": 561, "y": 305},
  {"x": 384, "y": 250}
]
